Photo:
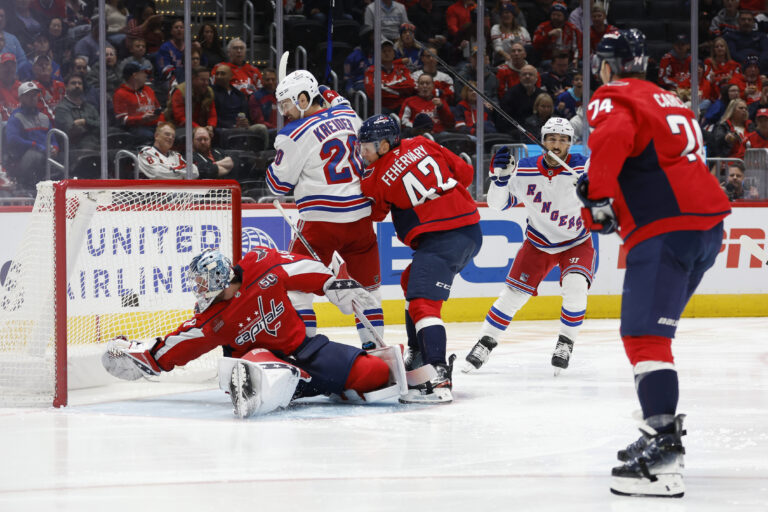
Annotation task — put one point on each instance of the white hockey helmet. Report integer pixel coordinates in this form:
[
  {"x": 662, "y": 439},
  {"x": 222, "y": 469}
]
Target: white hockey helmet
[
  {"x": 209, "y": 273},
  {"x": 558, "y": 125},
  {"x": 291, "y": 87}
]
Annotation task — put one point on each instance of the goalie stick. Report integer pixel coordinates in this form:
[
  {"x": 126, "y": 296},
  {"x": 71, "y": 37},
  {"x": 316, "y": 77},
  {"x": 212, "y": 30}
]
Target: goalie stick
[
  {"x": 493, "y": 106},
  {"x": 379, "y": 342},
  {"x": 756, "y": 251}
]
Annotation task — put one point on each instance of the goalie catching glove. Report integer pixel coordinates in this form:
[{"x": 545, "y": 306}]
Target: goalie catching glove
[
  {"x": 598, "y": 214},
  {"x": 129, "y": 360},
  {"x": 503, "y": 164},
  {"x": 342, "y": 290}
]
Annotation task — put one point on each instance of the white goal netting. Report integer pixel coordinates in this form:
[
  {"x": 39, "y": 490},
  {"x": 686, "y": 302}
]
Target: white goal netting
[{"x": 127, "y": 247}]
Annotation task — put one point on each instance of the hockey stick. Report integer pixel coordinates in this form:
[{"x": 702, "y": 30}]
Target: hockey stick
[
  {"x": 282, "y": 67},
  {"x": 379, "y": 341},
  {"x": 496, "y": 108},
  {"x": 756, "y": 251}
]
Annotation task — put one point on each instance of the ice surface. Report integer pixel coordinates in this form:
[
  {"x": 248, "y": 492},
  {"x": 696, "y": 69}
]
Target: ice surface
[{"x": 516, "y": 437}]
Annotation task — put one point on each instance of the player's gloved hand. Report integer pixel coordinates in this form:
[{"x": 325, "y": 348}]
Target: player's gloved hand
[
  {"x": 342, "y": 290},
  {"x": 598, "y": 214},
  {"x": 129, "y": 360},
  {"x": 503, "y": 164},
  {"x": 331, "y": 97}
]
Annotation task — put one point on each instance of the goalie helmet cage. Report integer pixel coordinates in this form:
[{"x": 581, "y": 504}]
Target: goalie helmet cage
[{"x": 99, "y": 259}]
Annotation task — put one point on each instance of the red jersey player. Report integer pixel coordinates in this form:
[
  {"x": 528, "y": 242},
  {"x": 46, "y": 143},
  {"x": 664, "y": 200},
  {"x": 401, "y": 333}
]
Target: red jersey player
[
  {"x": 648, "y": 180},
  {"x": 424, "y": 186},
  {"x": 246, "y": 309}
]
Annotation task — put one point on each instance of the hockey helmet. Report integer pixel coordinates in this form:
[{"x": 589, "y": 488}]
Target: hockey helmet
[
  {"x": 378, "y": 128},
  {"x": 210, "y": 272},
  {"x": 558, "y": 125},
  {"x": 623, "y": 50},
  {"x": 291, "y": 87}
]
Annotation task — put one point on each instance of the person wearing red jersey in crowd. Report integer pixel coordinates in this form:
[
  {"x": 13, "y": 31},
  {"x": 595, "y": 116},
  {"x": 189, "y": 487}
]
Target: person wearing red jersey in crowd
[
  {"x": 557, "y": 35},
  {"x": 426, "y": 102},
  {"x": 648, "y": 181},
  {"x": 465, "y": 113},
  {"x": 245, "y": 77},
  {"x": 750, "y": 82},
  {"x": 396, "y": 81},
  {"x": 9, "y": 86},
  {"x": 675, "y": 66},
  {"x": 136, "y": 106},
  {"x": 51, "y": 91},
  {"x": 424, "y": 185},
  {"x": 508, "y": 74},
  {"x": 269, "y": 360},
  {"x": 599, "y": 26},
  {"x": 203, "y": 103},
  {"x": 705, "y": 90},
  {"x": 730, "y": 134},
  {"x": 442, "y": 80},
  {"x": 720, "y": 68},
  {"x": 458, "y": 19},
  {"x": 726, "y": 19},
  {"x": 759, "y": 137}
]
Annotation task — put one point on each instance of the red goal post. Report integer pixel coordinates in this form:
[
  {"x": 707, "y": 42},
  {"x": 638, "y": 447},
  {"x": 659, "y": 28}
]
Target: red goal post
[{"x": 102, "y": 258}]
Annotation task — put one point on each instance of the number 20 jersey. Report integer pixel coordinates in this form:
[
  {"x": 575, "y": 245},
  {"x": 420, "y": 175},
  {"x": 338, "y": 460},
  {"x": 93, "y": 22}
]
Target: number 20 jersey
[
  {"x": 317, "y": 161},
  {"x": 647, "y": 154},
  {"x": 424, "y": 185}
]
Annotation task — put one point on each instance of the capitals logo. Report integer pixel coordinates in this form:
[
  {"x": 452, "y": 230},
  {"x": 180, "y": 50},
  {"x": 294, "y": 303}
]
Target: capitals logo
[{"x": 262, "y": 321}]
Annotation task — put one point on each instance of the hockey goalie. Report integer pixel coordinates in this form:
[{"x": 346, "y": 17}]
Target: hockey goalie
[{"x": 269, "y": 360}]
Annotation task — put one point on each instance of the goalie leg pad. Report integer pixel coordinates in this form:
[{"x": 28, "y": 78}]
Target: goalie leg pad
[
  {"x": 393, "y": 357},
  {"x": 271, "y": 382},
  {"x": 367, "y": 373}
]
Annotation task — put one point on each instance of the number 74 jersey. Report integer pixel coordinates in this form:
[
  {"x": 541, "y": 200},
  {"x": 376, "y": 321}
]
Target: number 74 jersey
[
  {"x": 425, "y": 187},
  {"x": 647, "y": 154},
  {"x": 317, "y": 162}
]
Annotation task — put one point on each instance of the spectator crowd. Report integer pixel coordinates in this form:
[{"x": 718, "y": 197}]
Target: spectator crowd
[{"x": 49, "y": 75}]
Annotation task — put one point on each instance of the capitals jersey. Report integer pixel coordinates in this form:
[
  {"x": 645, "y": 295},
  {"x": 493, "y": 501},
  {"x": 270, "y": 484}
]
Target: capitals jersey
[
  {"x": 647, "y": 154},
  {"x": 316, "y": 160},
  {"x": 260, "y": 315},
  {"x": 549, "y": 196},
  {"x": 424, "y": 185}
]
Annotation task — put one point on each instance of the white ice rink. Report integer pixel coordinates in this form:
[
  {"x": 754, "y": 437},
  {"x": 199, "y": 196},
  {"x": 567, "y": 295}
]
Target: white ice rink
[{"x": 515, "y": 439}]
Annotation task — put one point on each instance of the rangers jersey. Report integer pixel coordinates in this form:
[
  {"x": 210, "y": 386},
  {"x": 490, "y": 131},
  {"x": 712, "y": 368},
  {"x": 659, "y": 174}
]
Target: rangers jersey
[
  {"x": 260, "y": 315},
  {"x": 548, "y": 193},
  {"x": 648, "y": 155},
  {"x": 317, "y": 160},
  {"x": 424, "y": 184}
]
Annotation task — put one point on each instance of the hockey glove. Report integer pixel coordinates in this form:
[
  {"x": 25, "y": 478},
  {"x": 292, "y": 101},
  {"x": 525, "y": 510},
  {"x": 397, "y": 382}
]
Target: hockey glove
[
  {"x": 331, "y": 97},
  {"x": 342, "y": 290},
  {"x": 503, "y": 164},
  {"x": 598, "y": 214},
  {"x": 129, "y": 360}
]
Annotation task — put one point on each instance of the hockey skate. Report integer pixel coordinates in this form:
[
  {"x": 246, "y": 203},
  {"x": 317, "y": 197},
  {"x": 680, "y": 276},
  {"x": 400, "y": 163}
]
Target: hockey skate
[
  {"x": 562, "y": 354},
  {"x": 636, "y": 449},
  {"x": 412, "y": 358},
  {"x": 242, "y": 391},
  {"x": 479, "y": 354},
  {"x": 657, "y": 470},
  {"x": 435, "y": 391}
]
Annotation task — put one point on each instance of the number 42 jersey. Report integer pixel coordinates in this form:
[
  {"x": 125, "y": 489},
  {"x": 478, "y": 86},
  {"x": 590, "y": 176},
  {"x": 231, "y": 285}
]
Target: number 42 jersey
[
  {"x": 647, "y": 154},
  {"x": 424, "y": 185}
]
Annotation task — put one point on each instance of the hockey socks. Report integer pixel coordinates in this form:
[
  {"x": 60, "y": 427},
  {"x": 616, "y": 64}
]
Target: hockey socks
[
  {"x": 658, "y": 394},
  {"x": 432, "y": 340},
  {"x": 410, "y": 330},
  {"x": 503, "y": 310},
  {"x": 574, "y": 287}
]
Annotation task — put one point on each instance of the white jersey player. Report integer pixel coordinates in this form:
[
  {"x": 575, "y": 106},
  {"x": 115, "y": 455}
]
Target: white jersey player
[
  {"x": 317, "y": 161},
  {"x": 555, "y": 236}
]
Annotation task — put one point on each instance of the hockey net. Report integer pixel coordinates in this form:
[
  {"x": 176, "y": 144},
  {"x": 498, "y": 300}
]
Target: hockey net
[{"x": 101, "y": 259}]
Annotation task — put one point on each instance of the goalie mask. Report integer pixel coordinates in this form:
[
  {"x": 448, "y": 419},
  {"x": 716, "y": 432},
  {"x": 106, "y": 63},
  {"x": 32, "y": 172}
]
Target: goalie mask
[
  {"x": 209, "y": 272},
  {"x": 290, "y": 88}
]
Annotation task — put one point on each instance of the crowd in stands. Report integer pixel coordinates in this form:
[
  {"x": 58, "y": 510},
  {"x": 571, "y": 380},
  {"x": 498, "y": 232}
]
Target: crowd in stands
[{"x": 49, "y": 75}]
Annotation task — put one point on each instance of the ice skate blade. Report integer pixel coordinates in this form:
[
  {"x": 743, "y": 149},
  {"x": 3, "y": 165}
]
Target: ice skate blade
[
  {"x": 468, "y": 367},
  {"x": 669, "y": 485},
  {"x": 557, "y": 371},
  {"x": 439, "y": 396}
]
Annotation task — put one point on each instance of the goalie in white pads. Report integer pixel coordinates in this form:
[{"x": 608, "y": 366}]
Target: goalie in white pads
[
  {"x": 555, "y": 236},
  {"x": 269, "y": 358}
]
